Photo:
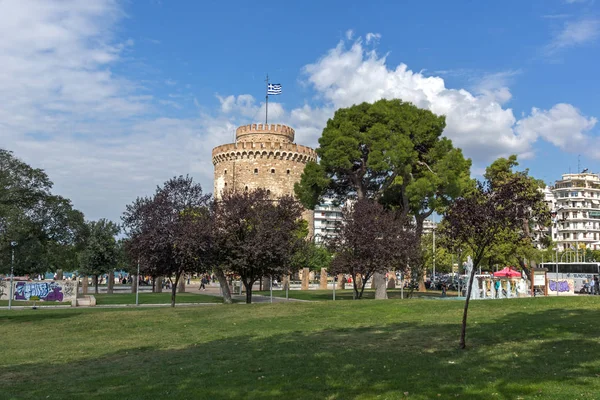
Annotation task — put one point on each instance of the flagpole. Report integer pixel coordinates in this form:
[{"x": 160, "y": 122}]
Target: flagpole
[{"x": 267, "y": 101}]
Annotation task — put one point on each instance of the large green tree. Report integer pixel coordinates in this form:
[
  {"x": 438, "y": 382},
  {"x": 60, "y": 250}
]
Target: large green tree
[
  {"x": 46, "y": 227},
  {"x": 517, "y": 247},
  {"x": 391, "y": 151},
  {"x": 101, "y": 253}
]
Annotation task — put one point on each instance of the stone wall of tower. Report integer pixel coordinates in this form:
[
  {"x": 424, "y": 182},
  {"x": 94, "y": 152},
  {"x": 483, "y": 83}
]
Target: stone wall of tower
[{"x": 263, "y": 156}]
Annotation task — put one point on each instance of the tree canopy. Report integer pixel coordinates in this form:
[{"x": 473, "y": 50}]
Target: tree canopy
[
  {"x": 479, "y": 221},
  {"x": 257, "y": 236},
  {"x": 100, "y": 253},
  {"x": 371, "y": 239},
  {"x": 391, "y": 151},
  {"x": 46, "y": 227},
  {"x": 171, "y": 232}
]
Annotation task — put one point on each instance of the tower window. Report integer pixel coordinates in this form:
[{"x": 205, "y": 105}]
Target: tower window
[
  {"x": 288, "y": 171},
  {"x": 272, "y": 170},
  {"x": 225, "y": 184},
  {"x": 225, "y": 172},
  {"x": 255, "y": 171},
  {"x": 268, "y": 192},
  {"x": 246, "y": 188}
]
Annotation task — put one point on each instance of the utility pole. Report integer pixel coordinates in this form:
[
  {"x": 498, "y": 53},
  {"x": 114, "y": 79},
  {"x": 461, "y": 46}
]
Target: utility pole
[{"x": 12, "y": 273}]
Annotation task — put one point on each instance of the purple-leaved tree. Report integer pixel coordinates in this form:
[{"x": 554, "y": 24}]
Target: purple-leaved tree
[
  {"x": 371, "y": 239},
  {"x": 479, "y": 220}
]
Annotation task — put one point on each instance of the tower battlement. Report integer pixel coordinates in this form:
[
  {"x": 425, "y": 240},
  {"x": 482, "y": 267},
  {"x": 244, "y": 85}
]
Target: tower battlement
[{"x": 274, "y": 132}]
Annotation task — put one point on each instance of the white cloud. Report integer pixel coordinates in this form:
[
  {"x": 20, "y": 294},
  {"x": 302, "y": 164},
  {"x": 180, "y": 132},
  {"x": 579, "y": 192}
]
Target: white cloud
[
  {"x": 372, "y": 37},
  {"x": 574, "y": 33},
  {"x": 476, "y": 121},
  {"x": 349, "y": 34},
  {"x": 562, "y": 125}
]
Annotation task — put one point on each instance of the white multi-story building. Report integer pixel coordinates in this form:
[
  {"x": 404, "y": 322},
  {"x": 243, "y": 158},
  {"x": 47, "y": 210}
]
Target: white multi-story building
[
  {"x": 428, "y": 226},
  {"x": 327, "y": 215},
  {"x": 540, "y": 232},
  {"x": 576, "y": 212}
]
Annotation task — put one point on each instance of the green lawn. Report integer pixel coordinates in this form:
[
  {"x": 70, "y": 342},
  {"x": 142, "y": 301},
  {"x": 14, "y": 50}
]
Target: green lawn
[
  {"x": 4, "y": 303},
  {"x": 347, "y": 294},
  {"x": 155, "y": 298},
  {"x": 546, "y": 348}
]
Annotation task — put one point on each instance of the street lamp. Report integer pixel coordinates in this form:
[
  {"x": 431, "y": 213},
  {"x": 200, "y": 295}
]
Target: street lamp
[{"x": 12, "y": 274}]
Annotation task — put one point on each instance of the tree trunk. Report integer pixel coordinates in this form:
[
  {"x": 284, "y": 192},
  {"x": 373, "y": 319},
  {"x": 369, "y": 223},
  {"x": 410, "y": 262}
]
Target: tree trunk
[
  {"x": 305, "y": 278},
  {"x": 380, "y": 288},
  {"x": 110, "y": 282},
  {"x": 174, "y": 288},
  {"x": 354, "y": 286},
  {"x": 134, "y": 283},
  {"x": 323, "y": 280},
  {"x": 285, "y": 283},
  {"x": 463, "y": 330},
  {"x": 158, "y": 284},
  {"x": 96, "y": 283},
  {"x": 181, "y": 285},
  {"x": 341, "y": 284},
  {"x": 248, "y": 292},
  {"x": 84, "y": 284},
  {"x": 59, "y": 274},
  {"x": 224, "y": 286}
]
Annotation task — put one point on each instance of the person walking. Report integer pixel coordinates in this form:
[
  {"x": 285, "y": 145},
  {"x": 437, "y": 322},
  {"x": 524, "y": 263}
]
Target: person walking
[{"x": 203, "y": 283}]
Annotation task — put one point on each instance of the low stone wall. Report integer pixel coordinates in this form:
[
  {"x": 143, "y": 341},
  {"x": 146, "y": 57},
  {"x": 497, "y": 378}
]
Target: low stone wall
[{"x": 58, "y": 291}]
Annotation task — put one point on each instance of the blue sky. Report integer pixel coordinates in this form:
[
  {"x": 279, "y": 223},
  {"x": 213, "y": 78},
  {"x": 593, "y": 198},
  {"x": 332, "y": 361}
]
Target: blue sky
[{"x": 114, "y": 97}]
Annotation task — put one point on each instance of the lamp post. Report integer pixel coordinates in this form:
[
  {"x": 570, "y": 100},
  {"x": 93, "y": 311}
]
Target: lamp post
[
  {"x": 433, "y": 228},
  {"x": 12, "y": 274},
  {"x": 137, "y": 285}
]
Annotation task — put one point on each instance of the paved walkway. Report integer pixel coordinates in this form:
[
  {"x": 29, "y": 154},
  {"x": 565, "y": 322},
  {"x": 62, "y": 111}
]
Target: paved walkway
[{"x": 256, "y": 298}]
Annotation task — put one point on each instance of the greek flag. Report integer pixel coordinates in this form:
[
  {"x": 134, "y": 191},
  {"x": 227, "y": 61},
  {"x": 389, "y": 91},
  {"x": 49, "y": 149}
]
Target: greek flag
[{"x": 273, "y": 88}]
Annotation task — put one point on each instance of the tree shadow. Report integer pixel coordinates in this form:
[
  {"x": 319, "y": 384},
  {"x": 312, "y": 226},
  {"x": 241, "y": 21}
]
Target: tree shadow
[
  {"x": 518, "y": 355},
  {"x": 34, "y": 316}
]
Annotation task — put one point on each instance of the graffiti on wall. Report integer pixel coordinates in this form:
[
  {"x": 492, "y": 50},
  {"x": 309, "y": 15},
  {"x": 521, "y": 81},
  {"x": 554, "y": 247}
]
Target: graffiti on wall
[
  {"x": 561, "y": 286},
  {"x": 40, "y": 290},
  {"x": 46, "y": 291}
]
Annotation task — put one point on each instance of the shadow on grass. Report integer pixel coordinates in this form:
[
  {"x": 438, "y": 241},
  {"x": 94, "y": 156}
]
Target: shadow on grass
[
  {"x": 35, "y": 316},
  {"x": 547, "y": 354}
]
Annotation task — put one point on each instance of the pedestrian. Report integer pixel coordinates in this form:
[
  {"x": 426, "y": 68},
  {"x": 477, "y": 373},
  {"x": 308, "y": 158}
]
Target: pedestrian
[
  {"x": 497, "y": 287},
  {"x": 203, "y": 283}
]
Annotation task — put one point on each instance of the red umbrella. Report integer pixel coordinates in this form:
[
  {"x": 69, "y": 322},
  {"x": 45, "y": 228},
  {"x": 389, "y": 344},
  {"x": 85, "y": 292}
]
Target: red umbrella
[{"x": 508, "y": 273}]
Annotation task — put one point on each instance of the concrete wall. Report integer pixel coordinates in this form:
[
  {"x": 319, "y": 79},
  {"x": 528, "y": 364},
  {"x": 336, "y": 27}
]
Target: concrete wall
[{"x": 65, "y": 290}]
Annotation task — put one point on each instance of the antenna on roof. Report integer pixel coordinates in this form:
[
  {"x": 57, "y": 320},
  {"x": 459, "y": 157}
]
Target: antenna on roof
[{"x": 578, "y": 162}]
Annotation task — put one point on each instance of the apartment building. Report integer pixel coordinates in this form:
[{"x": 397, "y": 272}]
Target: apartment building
[
  {"x": 576, "y": 211},
  {"x": 327, "y": 215}
]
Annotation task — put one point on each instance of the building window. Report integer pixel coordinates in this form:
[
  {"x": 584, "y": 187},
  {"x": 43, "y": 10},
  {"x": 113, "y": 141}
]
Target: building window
[
  {"x": 268, "y": 192},
  {"x": 246, "y": 188},
  {"x": 272, "y": 170},
  {"x": 225, "y": 172},
  {"x": 225, "y": 184},
  {"x": 288, "y": 171},
  {"x": 255, "y": 171}
]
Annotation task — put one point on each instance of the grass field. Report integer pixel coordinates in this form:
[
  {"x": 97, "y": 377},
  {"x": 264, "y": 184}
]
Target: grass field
[
  {"x": 155, "y": 298},
  {"x": 546, "y": 348},
  {"x": 322, "y": 295}
]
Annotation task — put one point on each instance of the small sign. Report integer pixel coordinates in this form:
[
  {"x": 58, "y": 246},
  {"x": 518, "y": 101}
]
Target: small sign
[{"x": 539, "y": 280}]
